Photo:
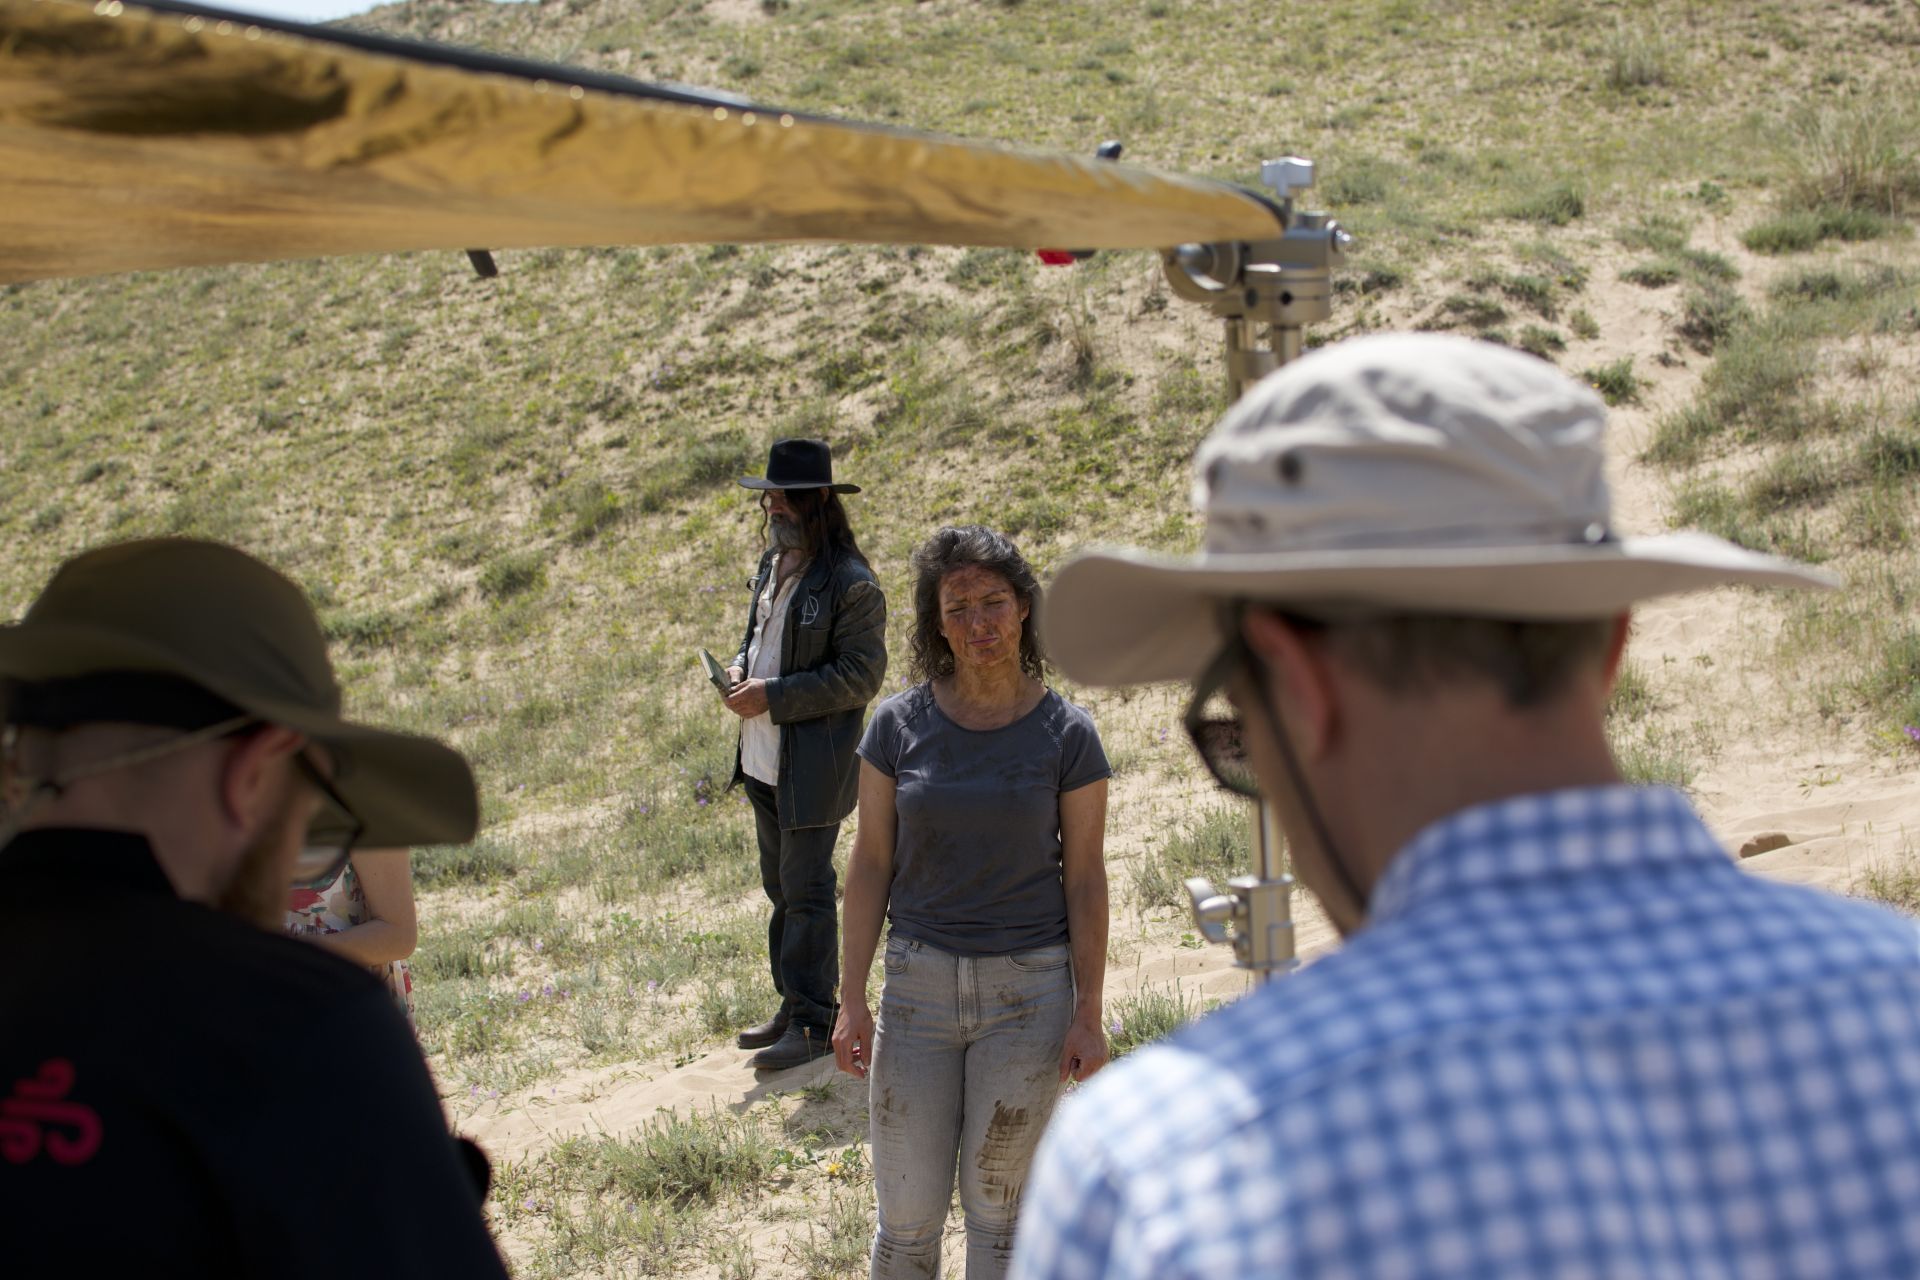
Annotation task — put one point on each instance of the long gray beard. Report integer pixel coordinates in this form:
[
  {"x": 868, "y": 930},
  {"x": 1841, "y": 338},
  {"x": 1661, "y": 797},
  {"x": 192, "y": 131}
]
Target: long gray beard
[{"x": 788, "y": 535}]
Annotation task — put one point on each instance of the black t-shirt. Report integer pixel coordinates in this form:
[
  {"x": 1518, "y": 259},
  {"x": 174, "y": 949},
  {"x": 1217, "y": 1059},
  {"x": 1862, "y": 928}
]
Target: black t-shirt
[{"x": 184, "y": 1094}]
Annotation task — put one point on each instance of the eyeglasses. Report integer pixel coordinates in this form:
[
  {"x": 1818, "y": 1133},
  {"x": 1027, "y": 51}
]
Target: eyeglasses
[
  {"x": 330, "y": 836},
  {"x": 1221, "y": 740}
]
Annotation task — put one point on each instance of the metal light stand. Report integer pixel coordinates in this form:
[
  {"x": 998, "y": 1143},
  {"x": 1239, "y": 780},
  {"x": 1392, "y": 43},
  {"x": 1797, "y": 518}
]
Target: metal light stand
[
  {"x": 1259, "y": 907},
  {"x": 1265, "y": 292}
]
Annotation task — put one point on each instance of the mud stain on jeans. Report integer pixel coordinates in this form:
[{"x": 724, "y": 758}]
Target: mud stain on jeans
[{"x": 1004, "y": 1153}]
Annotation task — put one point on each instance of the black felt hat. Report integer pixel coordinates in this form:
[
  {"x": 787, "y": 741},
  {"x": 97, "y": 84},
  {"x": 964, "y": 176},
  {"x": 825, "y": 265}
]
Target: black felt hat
[{"x": 798, "y": 464}]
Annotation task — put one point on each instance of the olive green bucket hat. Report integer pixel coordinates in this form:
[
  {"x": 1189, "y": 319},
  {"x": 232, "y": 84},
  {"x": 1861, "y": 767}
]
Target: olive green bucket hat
[{"x": 220, "y": 619}]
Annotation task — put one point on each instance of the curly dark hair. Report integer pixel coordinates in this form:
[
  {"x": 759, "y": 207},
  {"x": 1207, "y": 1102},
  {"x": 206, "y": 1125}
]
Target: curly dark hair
[{"x": 959, "y": 547}]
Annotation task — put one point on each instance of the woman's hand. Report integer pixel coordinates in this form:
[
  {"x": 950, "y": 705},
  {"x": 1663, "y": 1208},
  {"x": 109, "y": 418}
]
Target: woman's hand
[
  {"x": 1085, "y": 1051},
  {"x": 853, "y": 1037}
]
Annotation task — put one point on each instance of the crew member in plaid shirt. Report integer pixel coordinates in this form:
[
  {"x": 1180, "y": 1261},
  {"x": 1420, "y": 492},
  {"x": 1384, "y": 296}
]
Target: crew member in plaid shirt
[{"x": 1567, "y": 1035}]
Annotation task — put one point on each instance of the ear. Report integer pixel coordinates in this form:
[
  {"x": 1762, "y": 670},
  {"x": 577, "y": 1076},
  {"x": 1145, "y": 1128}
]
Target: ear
[
  {"x": 1616, "y": 652},
  {"x": 250, "y": 778},
  {"x": 1303, "y": 679}
]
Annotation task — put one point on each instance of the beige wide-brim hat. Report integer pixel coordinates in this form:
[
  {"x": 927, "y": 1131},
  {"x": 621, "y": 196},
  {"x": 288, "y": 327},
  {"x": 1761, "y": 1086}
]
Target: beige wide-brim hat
[
  {"x": 222, "y": 620},
  {"x": 1393, "y": 474}
]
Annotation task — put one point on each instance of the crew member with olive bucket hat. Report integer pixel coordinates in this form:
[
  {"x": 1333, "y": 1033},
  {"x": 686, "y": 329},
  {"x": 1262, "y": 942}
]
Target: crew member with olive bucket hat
[
  {"x": 1567, "y": 1035},
  {"x": 185, "y": 1090}
]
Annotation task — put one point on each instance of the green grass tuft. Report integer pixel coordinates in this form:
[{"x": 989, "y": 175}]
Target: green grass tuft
[
  {"x": 1145, "y": 1015},
  {"x": 1801, "y": 229},
  {"x": 1859, "y": 154},
  {"x": 1214, "y": 844},
  {"x": 1615, "y": 381},
  {"x": 1554, "y": 205},
  {"x": 1637, "y": 57},
  {"x": 512, "y": 574},
  {"x": 1540, "y": 341},
  {"x": 1709, "y": 312},
  {"x": 482, "y": 862},
  {"x": 671, "y": 1159},
  {"x": 1658, "y": 232},
  {"x": 1894, "y": 883},
  {"x": 1657, "y": 273}
]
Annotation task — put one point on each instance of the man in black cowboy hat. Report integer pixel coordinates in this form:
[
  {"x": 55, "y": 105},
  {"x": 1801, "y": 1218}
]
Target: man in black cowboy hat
[
  {"x": 813, "y": 656},
  {"x": 185, "y": 1090}
]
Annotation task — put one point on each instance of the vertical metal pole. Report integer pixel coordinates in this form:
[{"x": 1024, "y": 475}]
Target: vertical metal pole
[
  {"x": 1270, "y": 913},
  {"x": 1288, "y": 343},
  {"x": 1263, "y": 918},
  {"x": 1247, "y": 360}
]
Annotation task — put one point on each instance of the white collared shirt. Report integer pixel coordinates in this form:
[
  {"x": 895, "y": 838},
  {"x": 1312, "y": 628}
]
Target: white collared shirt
[{"x": 760, "y": 736}]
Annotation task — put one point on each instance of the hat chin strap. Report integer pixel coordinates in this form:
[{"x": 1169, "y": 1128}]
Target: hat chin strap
[
  {"x": 1303, "y": 794},
  {"x": 53, "y": 787}
]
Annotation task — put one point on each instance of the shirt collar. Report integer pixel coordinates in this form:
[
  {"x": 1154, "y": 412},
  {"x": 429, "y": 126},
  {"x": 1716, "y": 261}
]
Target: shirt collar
[
  {"x": 1539, "y": 836},
  {"x": 82, "y": 856}
]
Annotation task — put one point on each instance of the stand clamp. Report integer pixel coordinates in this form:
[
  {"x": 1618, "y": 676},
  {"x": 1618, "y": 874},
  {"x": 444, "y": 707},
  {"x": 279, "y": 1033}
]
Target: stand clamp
[
  {"x": 1259, "y": 908},
  {"x": 1282, "y": 285}
]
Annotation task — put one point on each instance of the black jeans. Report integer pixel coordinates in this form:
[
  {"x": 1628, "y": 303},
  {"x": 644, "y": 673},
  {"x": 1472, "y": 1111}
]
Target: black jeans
[{"x": 803, "y": 938}]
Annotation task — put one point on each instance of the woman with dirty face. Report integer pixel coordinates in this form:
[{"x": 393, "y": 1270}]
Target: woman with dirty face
[{"x": 983, "y": 799}]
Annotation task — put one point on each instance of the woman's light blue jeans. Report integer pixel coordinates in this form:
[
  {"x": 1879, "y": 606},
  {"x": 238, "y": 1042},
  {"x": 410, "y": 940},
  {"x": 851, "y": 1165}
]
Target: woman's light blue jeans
[{"x": 966, "y": 1069}]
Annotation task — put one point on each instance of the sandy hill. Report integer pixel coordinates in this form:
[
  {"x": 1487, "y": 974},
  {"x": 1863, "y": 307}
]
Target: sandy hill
[{"x": 512, "y": 500}]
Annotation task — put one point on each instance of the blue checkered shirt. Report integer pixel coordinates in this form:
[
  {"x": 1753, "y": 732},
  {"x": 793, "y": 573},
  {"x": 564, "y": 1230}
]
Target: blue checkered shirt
[{"x": 1574, "y": 1039}]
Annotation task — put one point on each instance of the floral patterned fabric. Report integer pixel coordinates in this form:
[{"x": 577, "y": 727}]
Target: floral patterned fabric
[{"x": 337, "y": 908}]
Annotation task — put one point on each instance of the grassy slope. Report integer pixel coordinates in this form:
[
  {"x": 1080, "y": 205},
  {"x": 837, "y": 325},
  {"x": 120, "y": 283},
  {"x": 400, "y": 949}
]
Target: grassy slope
[{"x": 511, "y": 497}]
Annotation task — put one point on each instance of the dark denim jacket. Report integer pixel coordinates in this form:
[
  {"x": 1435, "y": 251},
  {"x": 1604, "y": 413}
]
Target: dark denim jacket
[{"x": 833, "y": 657}]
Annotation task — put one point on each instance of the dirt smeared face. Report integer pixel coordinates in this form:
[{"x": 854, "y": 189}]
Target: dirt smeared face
[{"x": 981, "y": 617}]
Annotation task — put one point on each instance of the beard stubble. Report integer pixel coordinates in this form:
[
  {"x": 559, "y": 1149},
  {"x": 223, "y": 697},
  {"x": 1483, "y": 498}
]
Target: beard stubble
[{"x": 257, "y": 889}]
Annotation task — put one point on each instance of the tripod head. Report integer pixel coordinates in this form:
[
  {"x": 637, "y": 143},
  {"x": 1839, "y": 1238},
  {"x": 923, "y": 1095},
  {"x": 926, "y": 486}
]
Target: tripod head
[{"x": 1265, "y": 291}]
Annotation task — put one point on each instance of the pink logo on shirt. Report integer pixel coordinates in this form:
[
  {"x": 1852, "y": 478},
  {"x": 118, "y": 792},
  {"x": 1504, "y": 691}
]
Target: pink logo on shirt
[{"x": 38, "y": 1114}]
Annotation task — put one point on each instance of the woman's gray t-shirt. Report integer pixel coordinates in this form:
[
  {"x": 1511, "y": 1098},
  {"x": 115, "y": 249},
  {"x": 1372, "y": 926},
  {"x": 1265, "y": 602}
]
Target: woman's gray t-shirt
[{"x": 976, "y": 847}]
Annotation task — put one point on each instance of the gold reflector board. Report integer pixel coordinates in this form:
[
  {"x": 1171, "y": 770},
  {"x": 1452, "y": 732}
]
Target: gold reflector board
[{"x": 136, "y": 137}]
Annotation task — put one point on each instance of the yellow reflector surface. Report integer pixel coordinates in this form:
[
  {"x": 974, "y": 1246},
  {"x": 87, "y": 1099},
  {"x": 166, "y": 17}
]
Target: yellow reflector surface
[{"x": 133, "y": 138}]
